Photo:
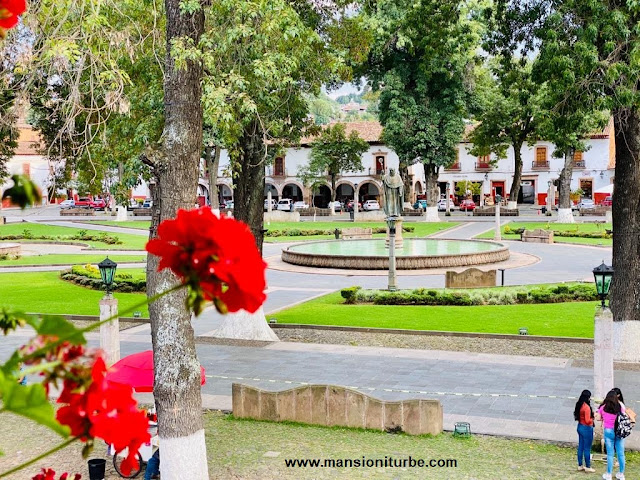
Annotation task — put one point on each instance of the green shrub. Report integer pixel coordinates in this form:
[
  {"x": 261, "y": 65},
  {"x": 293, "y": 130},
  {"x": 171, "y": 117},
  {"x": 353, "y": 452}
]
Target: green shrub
[
  {"x": 349, "y": 294},
  {"x": 560, "y": 289}
]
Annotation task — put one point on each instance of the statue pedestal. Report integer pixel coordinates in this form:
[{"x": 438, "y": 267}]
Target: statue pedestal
[{"x": 399, "y": 241}]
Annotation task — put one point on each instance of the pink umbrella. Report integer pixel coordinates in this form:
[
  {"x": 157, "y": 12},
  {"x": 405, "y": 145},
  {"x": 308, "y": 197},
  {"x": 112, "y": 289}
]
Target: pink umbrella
[{"x": 137, "y": 371}]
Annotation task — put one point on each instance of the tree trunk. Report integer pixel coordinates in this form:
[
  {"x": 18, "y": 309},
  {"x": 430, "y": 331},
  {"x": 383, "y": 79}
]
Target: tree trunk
[
  {"x": 248, "y": 183},
  {"x": 403, "y": 171},
  {"x": 177, "y": 370},
  {"x": 213, "y": 163},
  {"x": 625, "y": 288},
  {"x": 564, "y": 190},
  {"x": 332, "y": 210},
  {"x": 431, "y": 180},
  {"x": 249, "y": 208},
  {"x": 517, "y": 175}
]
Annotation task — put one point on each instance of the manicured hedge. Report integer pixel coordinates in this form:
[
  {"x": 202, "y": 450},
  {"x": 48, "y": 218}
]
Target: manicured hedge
[
  {"x": 89, "y": 276},
  {"x": 496, "y": 296},
  {"x": 297, "y": 232},
  {"x": 563, "y": 233},
  {"x": 81, "y": 235}
]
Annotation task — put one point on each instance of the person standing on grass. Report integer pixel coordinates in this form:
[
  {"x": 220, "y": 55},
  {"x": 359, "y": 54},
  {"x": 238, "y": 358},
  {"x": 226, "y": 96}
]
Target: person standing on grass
[
  {"x": 608, "y": 412},
  {"x": 628, "y": 411},
  {"x": 583, "y": 413}
]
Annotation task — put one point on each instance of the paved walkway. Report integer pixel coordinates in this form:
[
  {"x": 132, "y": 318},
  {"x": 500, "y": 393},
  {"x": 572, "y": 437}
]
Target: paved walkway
[{"x": 521, "y": 396}]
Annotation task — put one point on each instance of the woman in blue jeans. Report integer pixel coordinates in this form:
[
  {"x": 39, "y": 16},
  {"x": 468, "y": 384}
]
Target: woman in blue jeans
[
  {"x": 153, "y": 466},
  {"x": 608, "y": 411},
  {"x": 584, "y": 415}
]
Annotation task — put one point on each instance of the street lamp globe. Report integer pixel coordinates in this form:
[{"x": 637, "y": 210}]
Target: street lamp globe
[
  {"x": 107, "y": 272},
  {"x": 603, "y": 275}
]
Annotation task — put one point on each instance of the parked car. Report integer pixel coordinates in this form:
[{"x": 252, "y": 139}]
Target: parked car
[
  {"x": 98, "y": 204},
  {"x": 67, "y": 204},
  {"x": 148, "y": 203},
  {"x": 228, "y": 205},
  {"x": 608, "y": 201},
  {"x": 285, "y": 204},
  {"x": 371, "y": 205},
  {"x": 585, "y": 204},
  {"x": 274, "y": 204},
  {"x": 349, "y": 207},
  {"x": 300, "y": 205},
  {"x": 84, "y": 202},
  {"x": 467, "y": 205},
  {"x": 420, "y": 204},
  {"x": 337, "y": 206},
  {"x": 442, "y": 205}
]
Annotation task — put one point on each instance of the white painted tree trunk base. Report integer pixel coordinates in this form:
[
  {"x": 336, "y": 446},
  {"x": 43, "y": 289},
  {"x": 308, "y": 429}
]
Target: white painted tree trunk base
[
  {"x": 121, "y": 213},
  {"x": 431, "y": 215},
  {"x": 565, "y": 215},
  {"x": 243, "y": 325},
  {"x": 512, "y": 205},
  {"x": 626, "y": 341},
  {"x": 188, "y": 458}
]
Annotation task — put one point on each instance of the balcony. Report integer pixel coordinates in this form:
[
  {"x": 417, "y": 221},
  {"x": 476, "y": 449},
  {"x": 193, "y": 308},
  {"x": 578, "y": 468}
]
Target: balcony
[
  {"x": 483, "y": 167},
  {"x": 454, "y": 167},
  {"x": 579, "y": 164},
  {"x": 540, "y": 165}
]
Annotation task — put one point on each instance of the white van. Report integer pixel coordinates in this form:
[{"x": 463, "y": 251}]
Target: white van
[{"x": 285, "y": 205}]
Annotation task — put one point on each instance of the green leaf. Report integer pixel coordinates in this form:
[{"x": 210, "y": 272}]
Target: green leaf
[
  {"x": 23, "y": 193},
  {"x": 62, "y": 328},
  {"x": 29, "y": 401}
]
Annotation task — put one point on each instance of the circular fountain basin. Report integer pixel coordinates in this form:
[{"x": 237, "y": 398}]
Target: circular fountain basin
[
  {"x": 10, "y": 248},
  {"x": 416, "y": 253}
]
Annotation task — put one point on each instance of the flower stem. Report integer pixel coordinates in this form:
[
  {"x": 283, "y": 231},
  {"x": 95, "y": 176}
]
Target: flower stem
[{"x": 64, "y": 444}]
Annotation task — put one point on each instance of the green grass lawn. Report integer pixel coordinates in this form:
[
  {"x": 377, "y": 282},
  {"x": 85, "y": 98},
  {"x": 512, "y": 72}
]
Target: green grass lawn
[
  {"x": 421, "y": 229},
  {"x": 62, "y": 259},
  {"x": 130, "y": 242},
  {"x": 45, "y": 292},
  {"x": 580, "y": 227},
  {"x": 573, "y": 319},
  {"x": 139, "y": 224},
  {"x": 251, "y": 450}
]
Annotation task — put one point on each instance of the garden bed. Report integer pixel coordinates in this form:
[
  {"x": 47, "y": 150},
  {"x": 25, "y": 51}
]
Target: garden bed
[{"x": 89, "y": 276}]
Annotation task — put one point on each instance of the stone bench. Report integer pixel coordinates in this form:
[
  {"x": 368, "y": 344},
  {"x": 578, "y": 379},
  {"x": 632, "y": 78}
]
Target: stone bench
[
  {"x": 310, "y": 212},
  {"x": 537, "y": 236},
  {"x": 470, "y": 278},
  {"x": 77, "y": 211},
  {"x": 337, "y": 406},
  {"x": 598, "y": 211},
  {"x": 410, "y": 212},
  {"x": 491, "y": 211},
  {"x": 142, "y": 212},
  {"x": 356, "y": 233}
]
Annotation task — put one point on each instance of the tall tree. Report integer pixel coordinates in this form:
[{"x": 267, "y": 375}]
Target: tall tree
[
  {"x": 566, "y": 119},
  {"x": 334, "y": 153},
  {"x": 175, "y": 165},
  {"x": 420, "y": 60},
  {"x": 508, "y": 113},
  {"x": 606, "y": 42}
]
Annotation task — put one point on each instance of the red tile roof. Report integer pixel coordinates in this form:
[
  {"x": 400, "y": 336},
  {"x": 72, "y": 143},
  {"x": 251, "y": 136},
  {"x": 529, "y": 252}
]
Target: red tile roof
[{"x": 368, "y": 131}]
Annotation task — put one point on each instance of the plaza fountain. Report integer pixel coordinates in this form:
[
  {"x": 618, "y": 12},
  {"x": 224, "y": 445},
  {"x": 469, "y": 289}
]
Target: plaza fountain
[{"x": 415, "y": 253}]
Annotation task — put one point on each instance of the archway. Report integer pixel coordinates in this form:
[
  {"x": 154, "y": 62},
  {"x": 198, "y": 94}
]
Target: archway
[
  {"x": 369, "y": 191},
  {"x": 418, "y": 190},
  {"x": 292, "y": 191},
  {"x": 344, "y": 192},
  {"x": 322, "y": 196},
  {"x": 203, "y": 195},
  {"x": 224, "y": 193},
  {"x": 270, "y": 187}
]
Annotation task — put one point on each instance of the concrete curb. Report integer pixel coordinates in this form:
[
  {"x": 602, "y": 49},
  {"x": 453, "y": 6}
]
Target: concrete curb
[{"x": 500, "y": 336}]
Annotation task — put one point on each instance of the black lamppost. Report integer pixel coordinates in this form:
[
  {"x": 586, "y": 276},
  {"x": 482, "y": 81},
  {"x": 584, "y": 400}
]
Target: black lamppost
[
  {"x": 603, "y": 275},
  {"x": 107, "y": 272}
]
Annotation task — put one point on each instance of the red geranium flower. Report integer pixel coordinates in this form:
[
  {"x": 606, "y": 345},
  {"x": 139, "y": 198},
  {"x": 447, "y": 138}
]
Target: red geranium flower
[
  {"x": 216, "y": 257},
  {"x": 9, "y": 12},
  {"x": 105, "y": 410},
  {"x": 50, "y": 474}
]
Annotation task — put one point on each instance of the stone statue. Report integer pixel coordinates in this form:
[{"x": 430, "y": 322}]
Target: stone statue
[{"x": 393, "y": 194}]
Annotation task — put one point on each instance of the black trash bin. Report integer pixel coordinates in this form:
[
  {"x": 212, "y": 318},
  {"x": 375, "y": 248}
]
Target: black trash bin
[{"x": 97, "y": 467}]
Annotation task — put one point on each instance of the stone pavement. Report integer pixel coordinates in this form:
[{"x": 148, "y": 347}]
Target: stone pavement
[{"x": 529, "y": 397}]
